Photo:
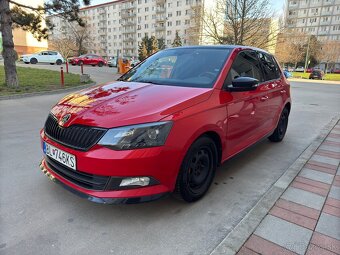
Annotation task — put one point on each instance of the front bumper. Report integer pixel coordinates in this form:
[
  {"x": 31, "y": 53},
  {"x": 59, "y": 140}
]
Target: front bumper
[{"x": 101, "y": 200}]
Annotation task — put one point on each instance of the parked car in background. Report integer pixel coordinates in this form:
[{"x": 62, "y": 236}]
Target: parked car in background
[
  {"x": 300, "y": 69},
  {"x": 112, "y": 62},
  {"x": 52, "y": 57},
  {"x": 287, "y": 74},
  {"x": 309, "y": 70},
  {"x": 317, "y": 75},
  {"x": 166, "y": 125},
  {"x": 88, "y": 59},
  {"x": 335, "y": 70}
]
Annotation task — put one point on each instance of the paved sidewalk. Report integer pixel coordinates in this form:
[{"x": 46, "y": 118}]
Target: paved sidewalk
[{"x": 306, "y": 218}]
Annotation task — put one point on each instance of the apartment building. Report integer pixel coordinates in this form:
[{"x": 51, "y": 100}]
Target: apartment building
[
  {"x": 117, "y": 27},
  {"x": 315, "y": 17}
]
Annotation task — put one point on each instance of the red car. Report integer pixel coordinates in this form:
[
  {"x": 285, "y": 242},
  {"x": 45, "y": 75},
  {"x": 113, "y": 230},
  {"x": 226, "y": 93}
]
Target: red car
[
  {"x": 88, "y": 59},
  {"x": 166, "y": 125}
]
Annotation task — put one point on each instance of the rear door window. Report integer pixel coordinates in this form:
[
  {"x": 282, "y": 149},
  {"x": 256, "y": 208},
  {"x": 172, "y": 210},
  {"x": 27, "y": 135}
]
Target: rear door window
[
  {"x": 269, "y": 66},
  {"x": 246, "y": 64}
]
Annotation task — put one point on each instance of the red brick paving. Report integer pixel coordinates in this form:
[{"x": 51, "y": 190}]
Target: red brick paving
[
  {"x": 333, "y": 135},
  {"x": 331, "y": 143},
  {"x": 331, "y": 210},
  {"x": 315, "y": 250},
  {"x": 246, "y": 251},
  {"x": 293, "y": 217},
  {"x": 317, "y": 184},
  {"x": 326, "y": 242},
  {"x": 265, "y": 247},
  {"x": 299, "y": 209},
  {"x": 333, "y": 202},
  {"x": 320, "y": 168},
  {"x": 321, "y": 164},
  {"x": 306, "y": 187},
  {"x": 336, "y": 183},
  {"x": 330, "y": 154}
]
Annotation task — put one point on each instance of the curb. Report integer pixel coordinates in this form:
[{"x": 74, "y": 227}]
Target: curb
[
  {"x": 314, "y": 81},
  {"x": 239, "y": 235},
  {"x": 51, "y": 92}
]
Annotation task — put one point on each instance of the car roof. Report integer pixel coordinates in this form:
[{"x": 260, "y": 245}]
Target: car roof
[{"x": 230, "y": 47}]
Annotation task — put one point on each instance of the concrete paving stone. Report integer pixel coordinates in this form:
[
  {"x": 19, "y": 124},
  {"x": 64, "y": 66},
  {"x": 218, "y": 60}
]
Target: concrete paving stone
[
  {"x": 305, "y": 198},
  {"x": 317, "y": 175},
  {"x": 299, "y": 209},
  {"x": 330, "y": 147},
  {"x": 326, "y": 160},
  {"x": 315, "y": 250},
  {"x": 326, "y": 242},
  {"x": 265, "y": 247},
  {"x": 285, "y": 234},
  {"x": 334, "y": 192},
  {"x": 320, "y": 168},
  {"x": 333, "y": 135},
  {"x": 292, "y": 217},
  {"x": 329, "y": 225},
  {"x": 338, "y": 172},
  {"x": 335, "y": 131},
  {"x": 307, "y": 187},
  {"x": 246, "y": 251},
  {"x": 321, "y": 185}
]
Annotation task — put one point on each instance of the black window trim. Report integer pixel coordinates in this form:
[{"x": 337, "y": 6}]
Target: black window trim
[
  {"x": 262, "y": 68},
  {"x": 224, "y": 87}
]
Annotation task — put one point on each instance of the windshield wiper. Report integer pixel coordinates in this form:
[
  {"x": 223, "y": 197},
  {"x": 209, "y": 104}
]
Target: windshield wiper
[{"x": 147, "y": 81}]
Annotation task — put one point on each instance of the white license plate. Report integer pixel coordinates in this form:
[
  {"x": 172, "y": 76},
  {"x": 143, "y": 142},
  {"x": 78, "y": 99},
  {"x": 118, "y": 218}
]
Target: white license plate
[{"x": 59, "y": 155}]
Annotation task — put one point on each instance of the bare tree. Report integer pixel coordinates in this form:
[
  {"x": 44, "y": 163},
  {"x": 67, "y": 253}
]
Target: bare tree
[
  {"x": 241, "y": 22},
  {"x": 329, "y": 53},
  {"x": 291, "y": 48},
  {"x": 30, "y": 18},
  {"x": 65, "y": 46}
]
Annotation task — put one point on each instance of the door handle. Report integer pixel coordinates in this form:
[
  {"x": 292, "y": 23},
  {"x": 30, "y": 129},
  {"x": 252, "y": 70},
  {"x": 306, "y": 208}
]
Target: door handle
[{"x": 264, "y": 98}]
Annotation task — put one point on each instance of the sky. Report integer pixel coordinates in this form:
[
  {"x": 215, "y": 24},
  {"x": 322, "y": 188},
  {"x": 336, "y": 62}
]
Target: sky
[{"x": 276, "y": 4}]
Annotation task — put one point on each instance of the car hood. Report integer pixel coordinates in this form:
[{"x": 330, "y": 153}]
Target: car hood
[
  {"x": 27, "y": 55},
  {"x": 126, "y": 103}
]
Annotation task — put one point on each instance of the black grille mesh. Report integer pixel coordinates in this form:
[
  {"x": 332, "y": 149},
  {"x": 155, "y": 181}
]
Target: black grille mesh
[{"x": 75, "y": 136}]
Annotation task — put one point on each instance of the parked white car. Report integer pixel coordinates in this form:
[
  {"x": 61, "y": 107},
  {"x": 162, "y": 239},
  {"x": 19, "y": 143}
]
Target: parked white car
[{"x": 52, "y": 57}]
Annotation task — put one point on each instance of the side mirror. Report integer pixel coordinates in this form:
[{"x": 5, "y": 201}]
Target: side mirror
[{"x": 243, "y": 84}]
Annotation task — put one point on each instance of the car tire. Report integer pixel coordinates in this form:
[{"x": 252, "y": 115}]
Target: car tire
[
  {"x": 197, "y": 170},
  {"x": 59, "y": 62},
  {"x": 26, "y": 62},
  {"x": 52, "y": 64},
  {"x": 93, "y": 65},
  {"x": 281, "y": 128},
  {"x": 33, "y": 61},
  {"x": 80, "y": 63},
  {"x": 100, "y": 64}
]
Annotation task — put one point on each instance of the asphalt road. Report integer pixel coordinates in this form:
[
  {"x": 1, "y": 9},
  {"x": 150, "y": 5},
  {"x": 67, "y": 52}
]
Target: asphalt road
[{"x": 40, "y": 217}]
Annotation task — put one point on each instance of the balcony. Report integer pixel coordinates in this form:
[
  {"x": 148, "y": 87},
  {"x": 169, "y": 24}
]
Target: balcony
[
  {"x": 160, "y": 19},
  {"x": 128, "y": 7},
  {"x": 102, "y": 32},
  {"x": 128, "y": 23},
  {"x": 160, "y": 1},
  {"x": 160, "y": 10},
  {"x": 159, "y": 28},
  {"x": 129, "y": 31},
  {"x": 126, "y": 15},
  {"x": 129, "y": 39},
  {"x": 102, "y": 11}
]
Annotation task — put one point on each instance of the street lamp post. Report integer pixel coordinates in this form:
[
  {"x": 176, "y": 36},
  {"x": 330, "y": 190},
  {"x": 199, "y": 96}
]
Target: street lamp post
[{"x": 307, "y": 61}]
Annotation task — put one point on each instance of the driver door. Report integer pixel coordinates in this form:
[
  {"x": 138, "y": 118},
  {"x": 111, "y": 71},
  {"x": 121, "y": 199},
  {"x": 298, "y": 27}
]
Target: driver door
[{"x": 244, "y": 109}]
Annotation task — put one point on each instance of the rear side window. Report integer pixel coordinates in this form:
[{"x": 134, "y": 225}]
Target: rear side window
[
  {"x": 246, "y": 64},
  {"x": 52, "y": 53},
  {"x": 270, "y": 68}
]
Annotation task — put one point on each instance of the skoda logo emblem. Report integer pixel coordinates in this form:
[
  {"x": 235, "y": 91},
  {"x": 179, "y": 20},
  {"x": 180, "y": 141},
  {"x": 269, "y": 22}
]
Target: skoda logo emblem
[{"x": 64, "y": 119}]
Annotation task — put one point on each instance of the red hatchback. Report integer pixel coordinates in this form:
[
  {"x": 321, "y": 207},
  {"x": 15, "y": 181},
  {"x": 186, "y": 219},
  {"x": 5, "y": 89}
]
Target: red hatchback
[
  {"x": 88, "y": 59},
  {"x": 166, "y": 125}
]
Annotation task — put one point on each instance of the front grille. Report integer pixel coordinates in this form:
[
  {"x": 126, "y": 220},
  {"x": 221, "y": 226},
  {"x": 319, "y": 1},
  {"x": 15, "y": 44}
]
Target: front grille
[
  {"x": 78, "y": 137},
  {"x": 85, "y": 180}
]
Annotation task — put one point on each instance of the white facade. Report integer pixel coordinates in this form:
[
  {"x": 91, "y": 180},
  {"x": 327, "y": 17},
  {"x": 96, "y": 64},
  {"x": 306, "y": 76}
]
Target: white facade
[
  {"x": 316, "y": 17},
  {"x": 118, "y": 27}
]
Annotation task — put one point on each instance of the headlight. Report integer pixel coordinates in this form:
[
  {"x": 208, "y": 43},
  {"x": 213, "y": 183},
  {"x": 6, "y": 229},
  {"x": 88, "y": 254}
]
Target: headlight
[{"x": 136, "y": 136}]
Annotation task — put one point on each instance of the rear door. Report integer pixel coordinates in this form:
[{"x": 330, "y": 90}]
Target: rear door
[
  {"x": 273, "y": 89},
  {"x": 43, "y": 57},
  {"x": 244, "y": 116}
]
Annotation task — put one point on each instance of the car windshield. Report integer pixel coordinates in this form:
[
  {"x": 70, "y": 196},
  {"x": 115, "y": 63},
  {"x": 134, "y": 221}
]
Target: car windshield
[
  {"x": 184, "y": 67},
  {"x": 82, "y": 56}
]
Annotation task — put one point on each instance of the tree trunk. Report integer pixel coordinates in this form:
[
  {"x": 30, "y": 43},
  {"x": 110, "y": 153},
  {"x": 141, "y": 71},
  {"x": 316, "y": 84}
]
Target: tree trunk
[{"x": 9, "y": 54}]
